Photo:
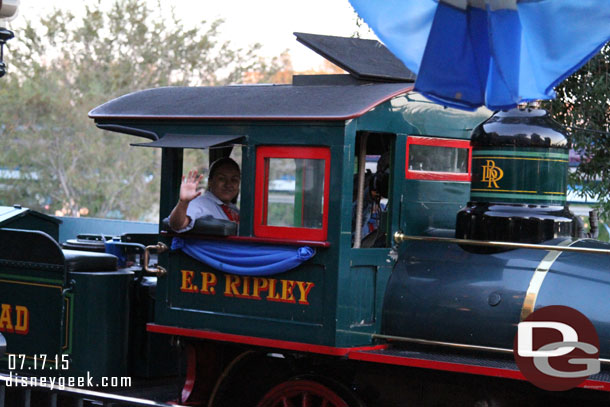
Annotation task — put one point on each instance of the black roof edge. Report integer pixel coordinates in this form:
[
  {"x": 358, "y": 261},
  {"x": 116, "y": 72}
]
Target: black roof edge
[
  {"x": 151, "y": 135},
  {"x": 327, "y": 79},
  {"x": 138, "y": 113},
  {"x": 172, "y": 140}
]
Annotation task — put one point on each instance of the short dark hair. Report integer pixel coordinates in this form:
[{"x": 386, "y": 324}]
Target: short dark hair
[{"x": 222, "y": 162}]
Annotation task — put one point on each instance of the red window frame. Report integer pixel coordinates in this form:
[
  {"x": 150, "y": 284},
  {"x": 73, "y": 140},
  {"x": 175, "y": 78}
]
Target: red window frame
[
  {"x": 437, "y": 175},
  {"x": 261, "y": 192}
]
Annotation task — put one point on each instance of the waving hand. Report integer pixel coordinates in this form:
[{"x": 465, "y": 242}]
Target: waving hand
[{"x": 188, "y": 188}]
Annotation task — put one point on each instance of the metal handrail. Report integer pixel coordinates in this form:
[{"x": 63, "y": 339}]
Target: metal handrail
[
  {"x": 392, "y": 338},
  {"x": 400, "y": 237},
  {"x": 156, "y": 269}
]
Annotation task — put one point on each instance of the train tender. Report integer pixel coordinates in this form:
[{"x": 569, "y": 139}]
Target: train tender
[{"x": 372, "y": 264}]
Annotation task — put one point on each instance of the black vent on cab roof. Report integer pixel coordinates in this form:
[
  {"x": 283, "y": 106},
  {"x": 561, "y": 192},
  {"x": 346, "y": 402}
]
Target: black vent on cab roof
[{"x": 366, "y": 60}]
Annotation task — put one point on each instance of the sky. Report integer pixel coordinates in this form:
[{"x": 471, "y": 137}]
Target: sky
[{"x": 268, "y": 22}]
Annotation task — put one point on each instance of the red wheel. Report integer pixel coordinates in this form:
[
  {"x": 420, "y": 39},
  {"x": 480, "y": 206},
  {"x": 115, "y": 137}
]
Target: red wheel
[{"x": 301, "y": 393}]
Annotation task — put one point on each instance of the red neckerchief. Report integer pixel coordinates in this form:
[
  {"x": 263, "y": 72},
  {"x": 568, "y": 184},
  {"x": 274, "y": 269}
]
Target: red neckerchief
[{"x": 231, "y": 213}]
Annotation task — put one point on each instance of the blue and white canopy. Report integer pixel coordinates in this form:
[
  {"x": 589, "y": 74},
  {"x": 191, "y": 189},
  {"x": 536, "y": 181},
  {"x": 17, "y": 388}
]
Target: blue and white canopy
[{"x": 497, "y": 53}]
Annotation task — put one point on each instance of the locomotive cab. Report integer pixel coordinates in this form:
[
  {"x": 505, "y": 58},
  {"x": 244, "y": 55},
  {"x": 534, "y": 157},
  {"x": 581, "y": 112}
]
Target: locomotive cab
[
  {"x": 331, "y": 167},
  {"x": 303, "y": 150}
]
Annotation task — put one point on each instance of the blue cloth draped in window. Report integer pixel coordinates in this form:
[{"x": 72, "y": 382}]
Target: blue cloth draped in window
[{"x": 244, "y": 259}]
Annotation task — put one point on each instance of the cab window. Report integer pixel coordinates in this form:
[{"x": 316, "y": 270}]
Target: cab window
[
  {"x": 438, "y": 159},
  {"x": 291, "y": 194},
  {"x": 201, "y": 159}
]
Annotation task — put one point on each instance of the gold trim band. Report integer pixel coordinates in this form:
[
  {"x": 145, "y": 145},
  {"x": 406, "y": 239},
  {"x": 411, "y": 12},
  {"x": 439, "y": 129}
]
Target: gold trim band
[
  {"x": 519, "y": 158},
  {"x": 400, "y": 237},
  {"x": 502, "y": 190},
  {"x": 540, "y": 273}
]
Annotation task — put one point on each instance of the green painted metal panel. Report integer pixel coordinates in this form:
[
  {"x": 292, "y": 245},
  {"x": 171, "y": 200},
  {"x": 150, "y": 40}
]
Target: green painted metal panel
[
  {"x": 360, "y": 295},
  {"x": 32, "y": 315},
  {"x": 414, "y": 114},
  {"x": 431, "y": 204},
  {"x": 101, "y": 323},
  {"x": 171, "y": 178},
  {"x": 298, "y": 196},
  {"x": 527, "y": 175},
  {"x": 35, "y": 314},
  {"x": 246, "y": 196},
  {"x": 288, "y": 306},
  {"x": 294, "y": 295},
  {"x": 418, "y": 205},
  {"x": 359, "y": 310},
  {"x": 230, "y": 305},
  {"x": 344, "y": 303},
  {"x": 345, "y": 191},
  {"x": 397, "y": 184}
]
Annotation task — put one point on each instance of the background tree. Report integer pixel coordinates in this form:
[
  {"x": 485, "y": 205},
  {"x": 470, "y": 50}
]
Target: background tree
[
  {"x": 583, "y": 102},
  {"x": 53, "y": 158}
]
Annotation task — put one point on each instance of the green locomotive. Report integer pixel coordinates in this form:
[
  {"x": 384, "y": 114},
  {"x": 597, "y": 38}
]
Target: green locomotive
[{"x": 360, "y": 319}]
